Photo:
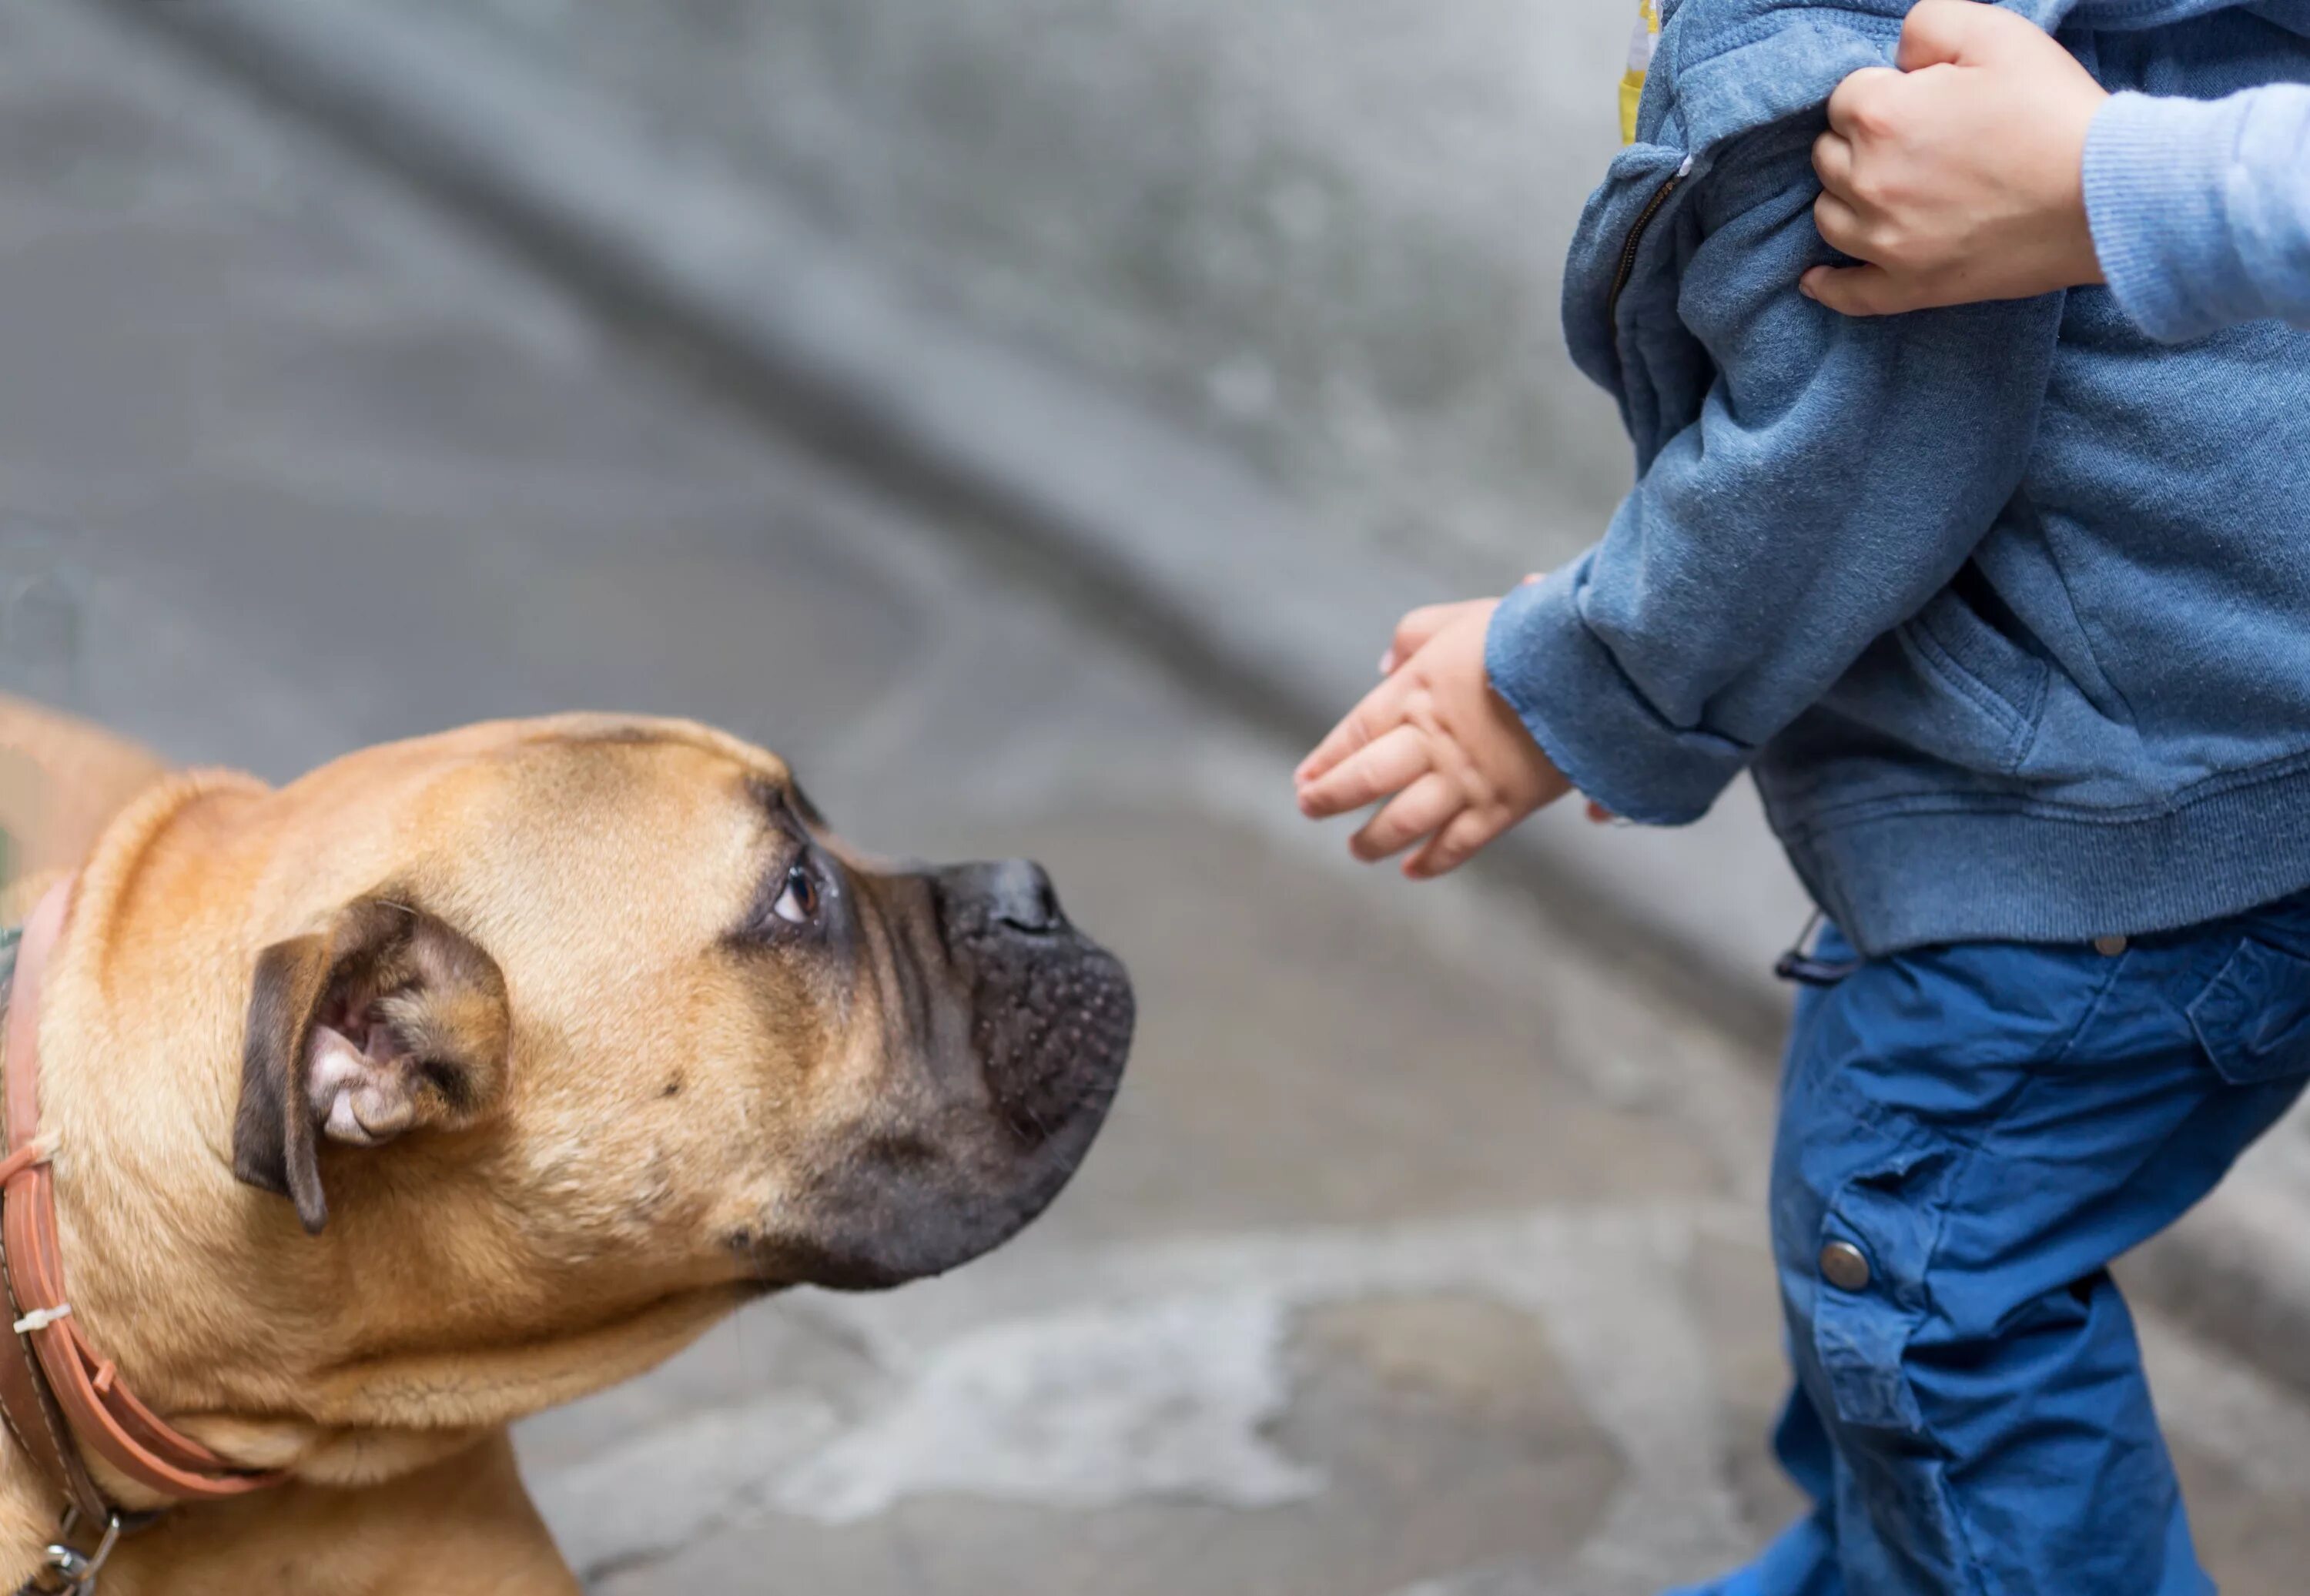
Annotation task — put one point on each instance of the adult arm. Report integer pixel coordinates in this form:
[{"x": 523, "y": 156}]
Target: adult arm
[
  {"x": 2200, "y": 211},
  {"x": 1992, "y": 166}
]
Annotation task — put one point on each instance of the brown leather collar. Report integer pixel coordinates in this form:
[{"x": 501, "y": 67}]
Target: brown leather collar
[{"x": 56, "y": 1395}]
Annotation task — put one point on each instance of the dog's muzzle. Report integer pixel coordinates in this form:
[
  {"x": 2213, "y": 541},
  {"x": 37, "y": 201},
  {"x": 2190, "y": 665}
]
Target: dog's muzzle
[
  {"x": 1009, "y": 1029},
  {"x": 1052, "y": 1011}
]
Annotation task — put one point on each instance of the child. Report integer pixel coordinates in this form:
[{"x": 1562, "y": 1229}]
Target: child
[{"x": 2007, "y": 610}]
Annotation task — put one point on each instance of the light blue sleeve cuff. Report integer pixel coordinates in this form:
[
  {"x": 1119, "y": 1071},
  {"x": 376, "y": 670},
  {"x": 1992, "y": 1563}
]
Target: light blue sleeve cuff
[
  {"x": 1581, "y": 707},
  {"x": 2156, "y": 181}
]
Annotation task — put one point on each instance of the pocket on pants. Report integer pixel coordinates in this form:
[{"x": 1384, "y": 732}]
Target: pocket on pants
[
  {"x": 2253, "y": 1017},
  {"x": 1892, "y": 1214}
]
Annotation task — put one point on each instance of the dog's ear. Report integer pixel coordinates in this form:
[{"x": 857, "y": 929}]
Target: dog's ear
[{"x": 388, "y": 1022}]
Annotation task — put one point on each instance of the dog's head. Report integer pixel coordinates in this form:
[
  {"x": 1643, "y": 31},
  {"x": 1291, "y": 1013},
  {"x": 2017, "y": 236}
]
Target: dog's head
[{"x": 567, "y": 1020}]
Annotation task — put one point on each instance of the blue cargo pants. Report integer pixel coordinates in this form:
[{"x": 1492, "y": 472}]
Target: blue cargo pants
[{"x": 1969, "y": 1135}]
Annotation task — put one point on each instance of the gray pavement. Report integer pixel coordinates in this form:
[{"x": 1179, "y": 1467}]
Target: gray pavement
[{"x": 1423, "y": 1253}]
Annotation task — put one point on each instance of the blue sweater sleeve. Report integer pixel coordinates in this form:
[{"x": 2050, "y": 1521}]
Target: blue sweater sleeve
[
  {"x": 1837, "y": 476},
  {"x": 2201, "y": 210}
]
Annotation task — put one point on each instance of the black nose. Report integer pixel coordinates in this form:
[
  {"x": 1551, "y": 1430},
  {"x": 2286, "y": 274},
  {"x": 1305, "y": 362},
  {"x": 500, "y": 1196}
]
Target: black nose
[{"x": 1014, "y": 892}]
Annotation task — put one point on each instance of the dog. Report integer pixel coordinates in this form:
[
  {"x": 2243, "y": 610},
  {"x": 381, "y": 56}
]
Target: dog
[{"x": 469, "y": 1075}]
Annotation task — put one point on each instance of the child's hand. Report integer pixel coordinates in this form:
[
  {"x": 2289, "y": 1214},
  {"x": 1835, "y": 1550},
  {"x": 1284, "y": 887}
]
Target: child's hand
[{"x": 1459, "y": 764}]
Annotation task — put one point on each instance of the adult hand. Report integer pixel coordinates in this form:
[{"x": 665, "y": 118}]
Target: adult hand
[{"x": 1960, "y": 177}]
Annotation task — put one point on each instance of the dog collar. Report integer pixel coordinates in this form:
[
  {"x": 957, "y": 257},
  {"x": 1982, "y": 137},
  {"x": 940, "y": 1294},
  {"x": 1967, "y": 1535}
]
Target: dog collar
[{"x": 57, "y": 1396}]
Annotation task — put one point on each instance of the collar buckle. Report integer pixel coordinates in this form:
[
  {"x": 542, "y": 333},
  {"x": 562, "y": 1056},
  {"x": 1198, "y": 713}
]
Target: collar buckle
[{"x": 78, "y": 1570}]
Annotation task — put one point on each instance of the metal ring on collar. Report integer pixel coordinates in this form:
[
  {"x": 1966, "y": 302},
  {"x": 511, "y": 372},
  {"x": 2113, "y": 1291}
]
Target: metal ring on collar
[{"x": 79, "y": 1569}]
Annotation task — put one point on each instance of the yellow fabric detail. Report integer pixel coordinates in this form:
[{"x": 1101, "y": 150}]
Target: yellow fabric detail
[{"x": 1640, "y": 60}]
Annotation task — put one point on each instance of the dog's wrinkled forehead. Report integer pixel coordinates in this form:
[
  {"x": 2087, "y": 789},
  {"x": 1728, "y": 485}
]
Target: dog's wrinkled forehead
[
  {"x": 590, "y": 763},
  {"x": 644, "y": 815},
  {"x": 577, "y": 849}
]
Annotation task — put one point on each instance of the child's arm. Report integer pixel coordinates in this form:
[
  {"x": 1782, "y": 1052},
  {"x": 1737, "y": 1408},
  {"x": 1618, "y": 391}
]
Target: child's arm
[{"x": 1839, "y": 474}]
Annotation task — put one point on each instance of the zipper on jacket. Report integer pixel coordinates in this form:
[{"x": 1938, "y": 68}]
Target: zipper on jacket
[{"x": 1636, "y": 242}]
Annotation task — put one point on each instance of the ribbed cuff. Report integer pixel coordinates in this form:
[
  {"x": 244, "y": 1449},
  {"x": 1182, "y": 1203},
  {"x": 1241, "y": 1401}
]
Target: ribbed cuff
[
  {"x": 1588, "y": 717},
  {"x": 2155, "y": 178}
]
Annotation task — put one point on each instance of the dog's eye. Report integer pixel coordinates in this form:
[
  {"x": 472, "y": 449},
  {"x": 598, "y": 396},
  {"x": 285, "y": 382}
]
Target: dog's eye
[{"x": 798, "y": 903}]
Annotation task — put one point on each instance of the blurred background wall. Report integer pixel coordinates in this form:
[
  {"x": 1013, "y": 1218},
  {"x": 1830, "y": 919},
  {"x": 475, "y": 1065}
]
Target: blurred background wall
[{"x": 1327, "y": 233}]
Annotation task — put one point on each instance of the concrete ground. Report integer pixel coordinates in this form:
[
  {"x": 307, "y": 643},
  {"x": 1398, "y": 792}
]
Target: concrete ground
[{"x": 1423, "y": 1253}]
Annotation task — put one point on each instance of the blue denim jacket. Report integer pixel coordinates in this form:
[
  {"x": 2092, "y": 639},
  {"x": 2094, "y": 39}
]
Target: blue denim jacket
[{"x": 2007, "y": 607}]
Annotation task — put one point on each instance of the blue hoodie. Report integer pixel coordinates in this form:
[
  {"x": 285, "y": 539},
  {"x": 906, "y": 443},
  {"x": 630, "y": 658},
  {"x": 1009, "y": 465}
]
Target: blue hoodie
[{"x": 2007, "y": 607}]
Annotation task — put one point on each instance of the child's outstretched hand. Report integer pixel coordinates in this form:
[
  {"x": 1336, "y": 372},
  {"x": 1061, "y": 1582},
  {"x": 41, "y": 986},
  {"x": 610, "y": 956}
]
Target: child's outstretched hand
[{"x": 1457, "y": 764}]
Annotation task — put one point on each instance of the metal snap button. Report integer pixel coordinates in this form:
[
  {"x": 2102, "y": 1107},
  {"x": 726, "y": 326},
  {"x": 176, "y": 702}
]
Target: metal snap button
[
  {"x": 1844, "y": 1266},
  {"x": 2109, "y": 947}
]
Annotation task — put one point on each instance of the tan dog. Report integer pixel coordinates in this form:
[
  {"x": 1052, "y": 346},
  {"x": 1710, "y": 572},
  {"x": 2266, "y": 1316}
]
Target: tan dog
[{"x": 469, "y": 1075}]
